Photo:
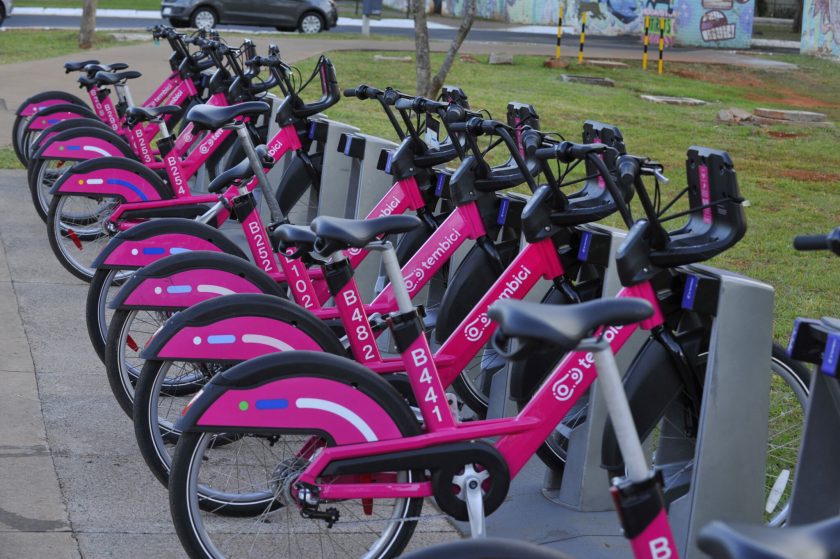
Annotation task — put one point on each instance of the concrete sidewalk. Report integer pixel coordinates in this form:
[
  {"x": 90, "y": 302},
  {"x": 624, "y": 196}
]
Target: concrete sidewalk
[
  {"x": 33, "y": 518},
  {"x": 23, "y": 79}
]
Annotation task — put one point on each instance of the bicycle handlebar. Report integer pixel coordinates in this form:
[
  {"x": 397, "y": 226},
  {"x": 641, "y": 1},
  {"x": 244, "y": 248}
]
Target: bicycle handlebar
[
  {"x": 830, "y": 242},
  {"x": 566, "y": 152}
]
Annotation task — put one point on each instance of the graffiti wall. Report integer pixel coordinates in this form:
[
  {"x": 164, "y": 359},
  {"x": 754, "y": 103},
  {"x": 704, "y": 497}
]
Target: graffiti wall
[
  {"x": 710, "y": 23},
  {"x": 821, "y": 28},
  {"x": 714, "y": 23}
]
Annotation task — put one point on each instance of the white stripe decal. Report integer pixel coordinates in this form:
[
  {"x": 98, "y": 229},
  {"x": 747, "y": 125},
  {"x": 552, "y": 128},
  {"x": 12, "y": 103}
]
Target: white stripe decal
[
  {"x": 95, "y": 149},
  {"x": 95, "y": 181},
  {"x": 218, "y": 290},
  {"x": 341, "y": 411},
  {"x": 266, "y": 340}
]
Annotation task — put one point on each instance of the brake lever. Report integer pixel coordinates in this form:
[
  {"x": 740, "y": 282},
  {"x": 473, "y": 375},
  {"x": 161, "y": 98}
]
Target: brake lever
[{"x": 660, "y": 177}]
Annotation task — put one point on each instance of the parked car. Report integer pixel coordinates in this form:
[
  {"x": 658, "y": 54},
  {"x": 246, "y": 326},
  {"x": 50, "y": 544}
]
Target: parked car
[
  {"x": 307, "y": 16},
  {"x": 5, "y": 10}
]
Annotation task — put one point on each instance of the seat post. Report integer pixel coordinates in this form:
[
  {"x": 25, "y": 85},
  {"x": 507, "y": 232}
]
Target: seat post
[
  {"x": 257, "y": 166},
  {"x": 609, "y": 382}
]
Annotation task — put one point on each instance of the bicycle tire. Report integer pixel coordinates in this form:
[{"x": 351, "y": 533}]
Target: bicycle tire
[{"x": 190, "y": 459}]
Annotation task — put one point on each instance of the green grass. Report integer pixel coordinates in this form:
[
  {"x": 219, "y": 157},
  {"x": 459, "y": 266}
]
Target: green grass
[{"x": 18, "y": 45}]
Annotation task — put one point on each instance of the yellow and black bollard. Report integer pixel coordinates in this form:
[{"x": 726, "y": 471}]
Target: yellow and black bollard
[
  {"x": 582, "y": 37},
  {"x": 661, "y": 41},
  {"x": 559, "y": 34},
  {"x": 647, "y": 29}
]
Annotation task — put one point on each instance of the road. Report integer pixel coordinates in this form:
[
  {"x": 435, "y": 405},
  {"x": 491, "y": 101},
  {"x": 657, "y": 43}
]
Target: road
[{"x": 490, "y": 34}]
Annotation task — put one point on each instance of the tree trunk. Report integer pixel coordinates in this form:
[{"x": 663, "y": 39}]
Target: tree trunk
[
  {"x": 423, "y": 67},
  {"x": 88, "y": 24},
  {"x": 463, "y": 30}
]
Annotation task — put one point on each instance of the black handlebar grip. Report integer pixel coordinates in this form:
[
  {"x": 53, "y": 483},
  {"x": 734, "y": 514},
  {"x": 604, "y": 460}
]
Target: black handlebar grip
[
  {"x": 546, "y": 153},
  {"x": 628, "y": 170},
  {"x": 350, "y": 92},
  {"x": 531, "y": 140},
  {"x": 811, "y": 242},
  {"x": 404, "y": 104},
  {"x": 458, "y": 127}
]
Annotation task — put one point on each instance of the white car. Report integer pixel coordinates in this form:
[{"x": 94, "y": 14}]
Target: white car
[{"x": 5, "y": 9}]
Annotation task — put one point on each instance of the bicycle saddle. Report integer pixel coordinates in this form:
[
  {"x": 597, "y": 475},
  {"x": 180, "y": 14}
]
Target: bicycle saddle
[
  {"x": 213, "y": 118},
  {"x": 564, "y": 326},
  {"x": 77, "y": 66},
  {"x": 142, "y": 114},
  {"x": 488, "y": 548},
  {"x": 359, "y": 233},
  {"x": 111, "y": 78},
  {"x": 240, "y": 171},
  {"x": 287, "y": 235},
  {"x": 820, "y": 540},
  {"x": 96, "y": 67}
]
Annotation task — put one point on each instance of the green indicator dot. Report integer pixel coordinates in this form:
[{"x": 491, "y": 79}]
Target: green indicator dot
[{"x": 243, "y": 405}]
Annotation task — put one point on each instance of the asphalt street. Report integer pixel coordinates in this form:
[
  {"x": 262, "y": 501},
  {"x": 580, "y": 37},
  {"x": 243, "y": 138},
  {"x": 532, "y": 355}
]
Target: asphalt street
[{"x": 476, "y": 34}]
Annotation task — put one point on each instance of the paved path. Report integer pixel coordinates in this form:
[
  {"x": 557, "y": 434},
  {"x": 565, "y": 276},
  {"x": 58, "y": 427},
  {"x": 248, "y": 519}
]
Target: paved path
[{"x": 20, "y": 80}]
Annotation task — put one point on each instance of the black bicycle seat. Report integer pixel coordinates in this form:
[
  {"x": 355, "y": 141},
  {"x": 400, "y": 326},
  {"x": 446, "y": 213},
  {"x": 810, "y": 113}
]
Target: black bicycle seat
[
  {"x": 213, "y": 118},
  {"x": 77, "y": 66},
  {"x": 359, "y": 233},
  {"x": 820, "y": 540},
  {"x": 143, "y": 114},
  {"x": 300, "y": 236},
  {"x": 95, "y": 67},
  {"x": 240, "y": 171},
  {"x": 564, "y": 326},
  {"x": 111, "y": 78}
]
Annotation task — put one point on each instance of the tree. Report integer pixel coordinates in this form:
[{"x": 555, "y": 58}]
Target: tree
[
  {"x": 88, "y": 24},
  {"x": 428, "y": 85}
]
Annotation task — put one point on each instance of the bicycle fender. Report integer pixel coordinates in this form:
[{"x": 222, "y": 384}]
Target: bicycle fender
[
  {"x": 240, "y": 327},
  {"x": 113, "y": 177},
  {"x": 54, "y": 114},
  {"x": 41, "y": 101},
  {"x": 155, "y": 239},
  {"x": 302, "y": 390},
  {"x": 183, "y": 280},
  {"x": 652, "y": 382},
  {"x": 67, "y": 125},
  {"x": 80, "y": 144}
]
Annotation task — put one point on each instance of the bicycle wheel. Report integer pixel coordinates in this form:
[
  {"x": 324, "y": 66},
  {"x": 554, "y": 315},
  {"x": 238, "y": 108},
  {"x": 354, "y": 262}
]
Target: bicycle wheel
[
  {"x": 790, "y": 383},
  {"x": 789, "y": 389},
  {"x": 267, "y": 463},
  {"x": 104, "y": 287},
  {"x": 128, "y": 334},
  {"x": 77, "y": 233},
  {"x": 42, "y": 176},
  {"x": 157, "y": 409}
]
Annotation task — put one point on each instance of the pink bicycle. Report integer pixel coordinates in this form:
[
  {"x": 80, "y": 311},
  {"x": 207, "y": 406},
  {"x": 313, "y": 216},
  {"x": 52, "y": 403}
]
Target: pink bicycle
[
  {"x": 131, "y": 129},
  {"x": 44, "y": 111},
  {"x": 98, "y": 198}
]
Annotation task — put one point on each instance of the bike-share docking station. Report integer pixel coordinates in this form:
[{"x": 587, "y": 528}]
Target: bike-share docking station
[
  {"x": 722, "y": 474},
  {"x": 816, "y": 486}
]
